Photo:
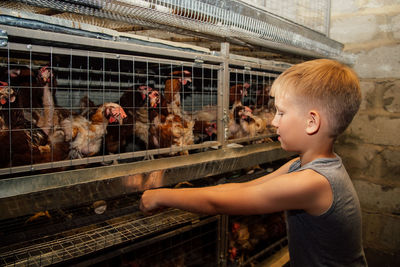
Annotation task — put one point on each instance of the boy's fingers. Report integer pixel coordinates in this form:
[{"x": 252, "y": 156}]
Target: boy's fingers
[
  {"x": 143, "y": 208},
  {"x": 147, "y": 205}
]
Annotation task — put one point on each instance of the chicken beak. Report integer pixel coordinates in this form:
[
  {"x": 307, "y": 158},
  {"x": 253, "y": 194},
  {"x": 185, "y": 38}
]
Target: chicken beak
[
  {"x": 185, "y": 80},
  {"x": 7, "y": 93},
  {"x": 117, "y": 113},
  {"x": 154, "y": 99},
  {"x": 122, "y": 115}
]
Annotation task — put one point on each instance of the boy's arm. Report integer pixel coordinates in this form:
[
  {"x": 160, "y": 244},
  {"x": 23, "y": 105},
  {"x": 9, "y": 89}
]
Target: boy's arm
[
  {"x": 281, "y": 170},
  {"x": 305, "y": 190}
]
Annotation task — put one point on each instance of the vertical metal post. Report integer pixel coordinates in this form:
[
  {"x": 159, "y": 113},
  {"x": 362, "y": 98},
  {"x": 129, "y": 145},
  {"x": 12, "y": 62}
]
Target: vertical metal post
[
  {"x": 223, "y": 240},
  {"x": 328, "y": 18},
  {"x": 223, "y": 95},
  {"x": 223, "y": 115}
]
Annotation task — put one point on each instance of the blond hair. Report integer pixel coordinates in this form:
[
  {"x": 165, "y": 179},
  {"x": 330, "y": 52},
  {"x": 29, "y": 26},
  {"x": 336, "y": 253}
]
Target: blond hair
[{"x": 326, "y": 84}]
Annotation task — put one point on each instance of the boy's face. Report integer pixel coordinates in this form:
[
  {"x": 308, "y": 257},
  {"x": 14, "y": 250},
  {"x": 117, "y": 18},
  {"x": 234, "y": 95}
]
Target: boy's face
[{"x": 290, "y": 123}]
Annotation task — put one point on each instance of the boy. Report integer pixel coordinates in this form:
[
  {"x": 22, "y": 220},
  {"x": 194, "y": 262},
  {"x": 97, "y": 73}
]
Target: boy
[{"x": 315, "y": 102}]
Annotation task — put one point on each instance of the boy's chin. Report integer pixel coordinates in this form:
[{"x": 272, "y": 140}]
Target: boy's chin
[{"x": 288, "y": 148}]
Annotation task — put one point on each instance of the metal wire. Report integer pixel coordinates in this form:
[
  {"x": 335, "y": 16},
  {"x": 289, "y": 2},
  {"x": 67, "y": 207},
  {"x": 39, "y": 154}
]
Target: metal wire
[
  {"x": 113, "y": 232},
  {"x": 105, "y": 77}
]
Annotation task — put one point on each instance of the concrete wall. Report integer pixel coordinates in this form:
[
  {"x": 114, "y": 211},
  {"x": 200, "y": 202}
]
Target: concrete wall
[{"x": 370, "y": 30}]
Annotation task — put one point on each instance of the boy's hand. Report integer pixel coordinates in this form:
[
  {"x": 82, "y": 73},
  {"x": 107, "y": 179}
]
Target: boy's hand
[{"x": 148, "y": 202}]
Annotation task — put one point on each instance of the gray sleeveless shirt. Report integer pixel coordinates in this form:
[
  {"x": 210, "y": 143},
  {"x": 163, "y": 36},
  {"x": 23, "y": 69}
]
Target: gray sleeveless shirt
[{"x": 333, "y": 238}]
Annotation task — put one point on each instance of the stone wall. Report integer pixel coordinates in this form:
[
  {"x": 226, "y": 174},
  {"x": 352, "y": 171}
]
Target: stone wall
[{"x": 370, "y": 30}]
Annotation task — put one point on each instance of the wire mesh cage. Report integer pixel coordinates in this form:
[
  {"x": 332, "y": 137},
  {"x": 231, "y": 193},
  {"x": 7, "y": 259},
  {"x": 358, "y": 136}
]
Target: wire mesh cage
[
  {"x": 69, "y": 245},
  {"x": 196, "y": 246},
  {"x": 112, "y": 231},
  {"x": 52, "y": 101},
  {"x": 63, "y": 107},
  {"x": 252, "y": 239},
  {"x": 251, "y": 109}
]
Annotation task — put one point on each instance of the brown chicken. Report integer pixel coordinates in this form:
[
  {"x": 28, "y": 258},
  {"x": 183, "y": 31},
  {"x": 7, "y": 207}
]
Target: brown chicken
[
  {"x": 205, "y": 119},
  {"x": 241, "y": 123},
  {"x": 6, "y": 94},
  {"x": 250, "y": 234},
  {"x": 147, "y": 105},
  {"x": 171, "y": 127},
  {"x": 237, "y": 93},
  {"x": 34, "y": 93},
  {"x": 264, "y": 111},
  {"x": 45, "y": 115},
  {"x": 173, "y": 86},
  {"x": 263, "y": 100},
  {"x": 23, "y": 143},
  {"x": 204, "y": 131},
  {"x": 138, "y": 104},
  {"x": 205, "y": 124},
  {"x": 172, "y": 132},
  {"x": 85, "y": 135},
  {"x": 7, "y": 98}
]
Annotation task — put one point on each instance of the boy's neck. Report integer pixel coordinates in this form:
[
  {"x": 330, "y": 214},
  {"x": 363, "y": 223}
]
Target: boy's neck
[{"x": 316, "y": 153}]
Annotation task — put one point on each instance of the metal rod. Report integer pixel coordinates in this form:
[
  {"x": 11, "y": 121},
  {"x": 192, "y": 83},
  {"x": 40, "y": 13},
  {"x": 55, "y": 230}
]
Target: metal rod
[
  {"x": 328, "y": 18},
  {"x": 223, "y": 95}
]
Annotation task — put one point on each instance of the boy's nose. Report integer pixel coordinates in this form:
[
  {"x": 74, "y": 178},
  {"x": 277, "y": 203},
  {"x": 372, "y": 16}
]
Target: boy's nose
[{"x": 275, "y": 121}]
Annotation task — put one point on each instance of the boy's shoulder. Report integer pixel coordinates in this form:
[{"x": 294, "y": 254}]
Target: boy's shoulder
[
  {"x": 316, "y": 188},
  {"x": 317, "y": 164},
  {"x": 307, "y": 175}
]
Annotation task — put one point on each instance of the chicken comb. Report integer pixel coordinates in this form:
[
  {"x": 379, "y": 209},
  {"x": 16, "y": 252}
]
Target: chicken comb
[
  {"x": 143, "y": 88},
  {"x": 248, "y": 109},
  {"x": 118, "y": 111},
  {"x": 3, "y": 84},
  {"x": 180, "y": 72}
]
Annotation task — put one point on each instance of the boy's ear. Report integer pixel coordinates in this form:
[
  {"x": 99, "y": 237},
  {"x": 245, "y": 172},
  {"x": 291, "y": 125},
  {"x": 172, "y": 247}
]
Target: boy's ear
[{"x": 313, "y": 122}]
